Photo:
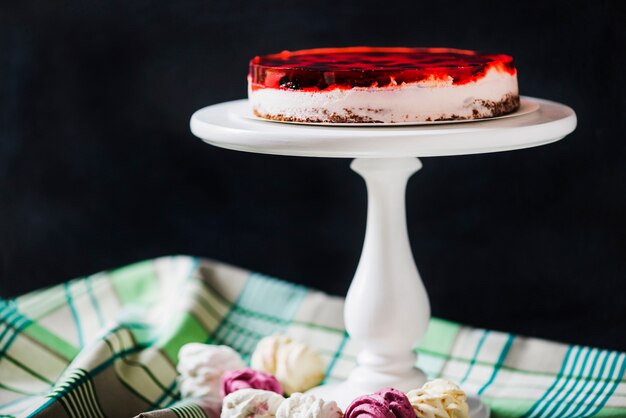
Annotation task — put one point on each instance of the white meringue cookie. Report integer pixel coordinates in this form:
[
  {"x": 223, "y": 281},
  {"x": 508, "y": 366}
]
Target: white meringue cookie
[
  {"x": 296, "y": 366},
  {"x": 439, "y": 398},
  {"x": 443, "y": 386},
  {"x": 201, "y": 367},
  {"x": 251, "y": 403},
  {"x": 300, "y": 405},
  {"x": 264, "y": 355}
]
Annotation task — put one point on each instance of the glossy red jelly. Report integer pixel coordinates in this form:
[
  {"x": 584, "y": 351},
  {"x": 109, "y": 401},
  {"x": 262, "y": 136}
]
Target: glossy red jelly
[{"x": 345, "y": 68}]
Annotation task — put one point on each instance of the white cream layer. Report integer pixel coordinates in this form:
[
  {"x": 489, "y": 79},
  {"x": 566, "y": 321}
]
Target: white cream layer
[{"x": 415, "y": 102}]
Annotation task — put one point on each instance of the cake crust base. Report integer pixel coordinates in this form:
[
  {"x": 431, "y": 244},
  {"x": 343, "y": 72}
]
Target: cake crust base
[{"x": 482, "y": 109}]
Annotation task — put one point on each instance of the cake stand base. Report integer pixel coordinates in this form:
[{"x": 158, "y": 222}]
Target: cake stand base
[{"x": 357, "y": 385}]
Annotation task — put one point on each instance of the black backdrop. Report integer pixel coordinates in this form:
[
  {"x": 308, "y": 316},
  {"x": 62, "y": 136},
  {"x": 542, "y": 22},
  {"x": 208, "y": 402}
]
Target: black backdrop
[{"x": 98, "y": 167}]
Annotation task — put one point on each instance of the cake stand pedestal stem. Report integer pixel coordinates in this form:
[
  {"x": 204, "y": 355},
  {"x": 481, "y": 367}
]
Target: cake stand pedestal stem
[{"x": 387, "y": 310}]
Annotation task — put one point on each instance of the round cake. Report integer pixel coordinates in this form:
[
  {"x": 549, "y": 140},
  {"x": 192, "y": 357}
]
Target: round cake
[{"x": 382, "y": 85}]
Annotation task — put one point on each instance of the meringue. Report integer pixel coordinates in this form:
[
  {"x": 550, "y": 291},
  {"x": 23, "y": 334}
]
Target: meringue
[
  {"x": 296, "y": 366},
  {"x": 300, "y": 405},
  {"x": 251, "y": 403},
  {"x": 248, "y": 379},
  {"x": 264, "y": 355},
  {"x": 387, "y": 403},
  {"x": 439, "y": 398},
  {"x": 201, "y": 367}
]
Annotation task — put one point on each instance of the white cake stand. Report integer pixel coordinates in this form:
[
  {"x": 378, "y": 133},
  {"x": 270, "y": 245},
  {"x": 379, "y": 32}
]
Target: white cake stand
[{"x": 387, "y": 309}]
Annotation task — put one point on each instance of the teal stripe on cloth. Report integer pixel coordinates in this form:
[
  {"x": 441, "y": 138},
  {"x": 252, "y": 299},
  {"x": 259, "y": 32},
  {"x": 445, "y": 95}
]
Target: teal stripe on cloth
[
  {"x": 499, "y": 363},
  {"x": 14, "y": 324},
  {"x": 336, "y": 356},
  {"x": 94, "y": 300},
  {"x": 583, "y": 405},
  {"x": 568, "y": 406},
  {"x": 565, "y": 367},
  {"x": 615, "y": 381},
  {"x": 19, "y": 326},
  {"x": 77, "y": 395},
  {"x": 217, "y": 336},
  {"x": 169, "y": 392},
  {"x": 286, "y": 297},
  {"x": 70, "y": 304},
  {"x": 44, "y": 406},
  {"x": 12, "y": 320},
  {"x": 470, "y": 366},
  {"x": 555, "y": 408},
  {"x": 245, "y": 324},
  {"x": 188, "y": 411}
]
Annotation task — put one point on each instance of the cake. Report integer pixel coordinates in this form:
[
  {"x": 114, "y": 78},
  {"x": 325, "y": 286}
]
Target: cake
[{"x": 382, "y": 85}]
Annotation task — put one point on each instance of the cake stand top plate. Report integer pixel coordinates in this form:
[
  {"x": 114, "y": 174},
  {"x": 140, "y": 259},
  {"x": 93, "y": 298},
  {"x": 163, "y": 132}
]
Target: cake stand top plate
[{"x": 224, "y": 126}]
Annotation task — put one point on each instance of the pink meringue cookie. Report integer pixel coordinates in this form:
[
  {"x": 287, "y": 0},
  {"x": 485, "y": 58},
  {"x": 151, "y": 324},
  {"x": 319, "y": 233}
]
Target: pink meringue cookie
[
  {"x": 387, "y": 403},
  {"x": 249, "y": 379}
]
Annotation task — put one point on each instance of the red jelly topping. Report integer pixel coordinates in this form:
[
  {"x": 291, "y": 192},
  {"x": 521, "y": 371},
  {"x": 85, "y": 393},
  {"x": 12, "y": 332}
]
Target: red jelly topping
[{"x": 329, "y": 68}]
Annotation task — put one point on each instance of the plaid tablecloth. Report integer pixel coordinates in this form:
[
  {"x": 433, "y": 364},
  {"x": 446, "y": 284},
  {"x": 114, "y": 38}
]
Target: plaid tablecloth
[{"x": 107, "y": 344}]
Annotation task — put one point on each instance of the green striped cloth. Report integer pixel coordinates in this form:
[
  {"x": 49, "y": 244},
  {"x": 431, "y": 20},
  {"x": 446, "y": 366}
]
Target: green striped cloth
[{"x": 106, "y": 346}]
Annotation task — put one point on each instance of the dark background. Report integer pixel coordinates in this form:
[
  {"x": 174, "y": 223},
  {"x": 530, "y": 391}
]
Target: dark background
[{"x": 98, "y": 167}]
